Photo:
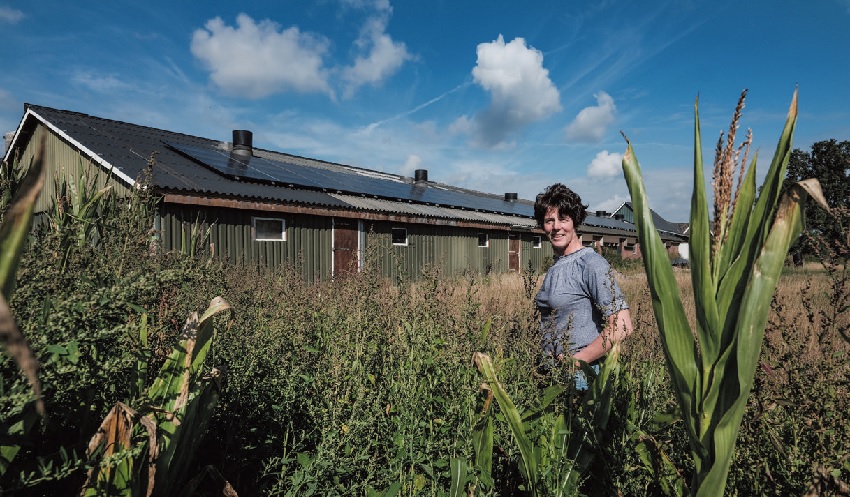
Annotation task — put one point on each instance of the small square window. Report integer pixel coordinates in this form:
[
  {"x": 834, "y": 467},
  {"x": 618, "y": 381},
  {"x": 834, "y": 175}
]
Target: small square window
[
  {"x": 537, "y": 241},
  {"x": 269, "y": 229},
  {"x": 400, "y": 236},
  {"x": 483, "y": 240}
]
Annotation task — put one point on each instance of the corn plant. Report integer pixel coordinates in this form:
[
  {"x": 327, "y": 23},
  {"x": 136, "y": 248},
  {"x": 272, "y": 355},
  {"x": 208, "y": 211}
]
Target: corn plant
[
  {"x": 147, "y": 450},
  {"x": 14, "y": 232},
  {"x": 553, "y": 462},
  {"x": 735, "y": 265},
  {"x": 78, "y": 206}
]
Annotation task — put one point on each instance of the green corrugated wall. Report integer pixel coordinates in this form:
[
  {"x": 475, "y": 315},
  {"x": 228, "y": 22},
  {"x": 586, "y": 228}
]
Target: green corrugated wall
[
  {"x": 309, "y": 247},
  {"x": 227, "y": 234},
  {"x": 64, "y": 163},
  {"x": 454, "y": 249}
]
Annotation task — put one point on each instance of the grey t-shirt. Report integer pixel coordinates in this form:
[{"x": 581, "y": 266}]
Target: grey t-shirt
[{"x": 578, "y": 294}]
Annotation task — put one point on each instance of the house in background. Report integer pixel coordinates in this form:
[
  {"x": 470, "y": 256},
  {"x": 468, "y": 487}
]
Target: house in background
[
  {"x": 674, "y": 238},
  {"x": 271, "y": 208}
]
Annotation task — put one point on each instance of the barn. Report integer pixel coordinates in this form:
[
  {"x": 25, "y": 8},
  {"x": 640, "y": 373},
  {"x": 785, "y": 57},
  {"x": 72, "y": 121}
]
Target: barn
[{"x": 256, "y": 206}]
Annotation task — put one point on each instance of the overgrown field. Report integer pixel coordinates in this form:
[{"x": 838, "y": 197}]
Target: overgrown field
[{"x": 366, "y": 387}]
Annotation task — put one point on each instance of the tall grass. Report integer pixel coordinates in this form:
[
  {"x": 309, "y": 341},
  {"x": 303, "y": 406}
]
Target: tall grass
[{"x": 363, "y": 386}]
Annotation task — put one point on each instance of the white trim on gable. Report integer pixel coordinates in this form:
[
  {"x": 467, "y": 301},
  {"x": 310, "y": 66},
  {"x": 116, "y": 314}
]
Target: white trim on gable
[{"x": 94, "y": 157}]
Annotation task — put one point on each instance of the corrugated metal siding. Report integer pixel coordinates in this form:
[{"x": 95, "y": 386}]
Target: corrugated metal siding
[
  {"x": 308, "y": 244},
  {"x": 63, "y": 163},
  {"x": 453, "y": 249},
  {"x": 539, "y": 259},
  {"x": 227, "y": 234}
]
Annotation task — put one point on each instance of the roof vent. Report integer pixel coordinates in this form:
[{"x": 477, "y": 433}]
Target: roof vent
[
  {"x": 242, "y": 150},
  {"x": 511, "y": 197},
  {"x": 243, "y": 143},
  {"x": 601, "y": 214},
  {"x": 420, "y": 175}
]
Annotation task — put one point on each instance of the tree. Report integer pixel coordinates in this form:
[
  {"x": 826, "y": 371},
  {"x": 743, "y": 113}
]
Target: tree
[{"x": 829, "y": 162}]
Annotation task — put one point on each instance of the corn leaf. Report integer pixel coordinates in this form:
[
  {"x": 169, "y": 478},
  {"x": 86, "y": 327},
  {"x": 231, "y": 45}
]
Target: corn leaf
[
  {"x": 186, "y": 400},
  {"x": 482, "y": 438},
  {"x": 676, "y": 337},
  {"x": 512, "y": 415},
  {"x": 14, "y": 231},
  {"x": 114, "y": 475},
  {"x": 747, "y": 346},
  {"x": 702, "y": 276},
  {"x": 458, "y": 480}
]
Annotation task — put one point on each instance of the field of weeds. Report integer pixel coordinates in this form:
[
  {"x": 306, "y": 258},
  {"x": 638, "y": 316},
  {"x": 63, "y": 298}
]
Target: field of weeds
[{"x": 363, "y": 386}]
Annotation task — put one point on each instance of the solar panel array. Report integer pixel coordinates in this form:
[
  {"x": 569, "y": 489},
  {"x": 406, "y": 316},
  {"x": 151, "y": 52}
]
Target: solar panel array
[{"x": 278, "y": 172}]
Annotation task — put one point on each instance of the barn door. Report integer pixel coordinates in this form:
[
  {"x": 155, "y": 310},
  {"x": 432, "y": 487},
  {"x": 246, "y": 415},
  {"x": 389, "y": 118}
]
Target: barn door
[
  {"x": 345, "y": 238},
  {"x": 513, "y": 252}
]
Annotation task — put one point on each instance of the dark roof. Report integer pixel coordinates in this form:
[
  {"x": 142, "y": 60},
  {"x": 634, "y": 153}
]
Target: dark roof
[
  {"x": 185, "y": 163},
  {"x": 198, "y": 166}
]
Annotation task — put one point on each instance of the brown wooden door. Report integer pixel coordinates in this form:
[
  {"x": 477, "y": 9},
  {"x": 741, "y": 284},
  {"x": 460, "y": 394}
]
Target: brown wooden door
[
  {"x": 513, "y": 252},
  {"x": 345, "y": 237}
]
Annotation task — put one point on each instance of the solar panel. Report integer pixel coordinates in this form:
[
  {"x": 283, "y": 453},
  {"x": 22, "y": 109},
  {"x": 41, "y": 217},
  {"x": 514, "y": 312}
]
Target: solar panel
[{"x": 280, "y": 172}]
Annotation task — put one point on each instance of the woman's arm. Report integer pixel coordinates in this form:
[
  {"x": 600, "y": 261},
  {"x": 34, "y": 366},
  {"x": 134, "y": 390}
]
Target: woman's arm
[{"x": 619, "y": 327}]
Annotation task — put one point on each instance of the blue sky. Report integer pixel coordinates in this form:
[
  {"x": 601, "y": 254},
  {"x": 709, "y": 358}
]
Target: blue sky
[{"x": 498, "y": 96}]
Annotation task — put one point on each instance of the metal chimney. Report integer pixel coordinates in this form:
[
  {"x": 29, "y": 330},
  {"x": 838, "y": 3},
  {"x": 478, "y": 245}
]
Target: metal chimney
[
  {"x": 243, "y": 143},
  {"x": 242, "y": 150},
  {"x": 420, "y": 175}
]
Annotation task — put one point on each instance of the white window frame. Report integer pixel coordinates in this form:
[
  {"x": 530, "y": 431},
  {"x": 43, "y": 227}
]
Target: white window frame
[
  {"x": 537, "y": 241},
  {"x": 486, "y": 240},
  {"x": 406, "y": 237},
  {"x": 255, "y": 234}
]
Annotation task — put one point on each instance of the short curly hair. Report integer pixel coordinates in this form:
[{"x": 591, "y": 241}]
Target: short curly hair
[{"x": 567, "y": 201}]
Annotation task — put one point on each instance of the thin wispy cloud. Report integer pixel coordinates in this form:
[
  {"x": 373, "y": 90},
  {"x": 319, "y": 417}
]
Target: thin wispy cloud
[
  {"x": 10, "y": 15},
  {"x": 99, "y": 83},
  {"x": 369, "y": 128}
]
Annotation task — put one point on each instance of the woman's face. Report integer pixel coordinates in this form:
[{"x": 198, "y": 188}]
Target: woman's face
[{"x": 561, "y": 232}]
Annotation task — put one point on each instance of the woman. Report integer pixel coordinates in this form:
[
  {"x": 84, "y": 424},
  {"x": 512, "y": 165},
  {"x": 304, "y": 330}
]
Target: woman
[{"x": 581, "y": 306}]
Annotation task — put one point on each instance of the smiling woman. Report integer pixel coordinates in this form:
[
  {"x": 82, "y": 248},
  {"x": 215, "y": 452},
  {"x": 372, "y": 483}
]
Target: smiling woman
[{"x": 580, "y": 303}]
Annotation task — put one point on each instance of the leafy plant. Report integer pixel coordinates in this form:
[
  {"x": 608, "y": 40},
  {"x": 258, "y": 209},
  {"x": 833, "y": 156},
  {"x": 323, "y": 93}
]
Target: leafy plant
[
  {"x": 556, "y": 445},
  {"x": 735, "y": 266},
  {"x": 147, "y": 451},
  {"x": 14, "y": 231}
]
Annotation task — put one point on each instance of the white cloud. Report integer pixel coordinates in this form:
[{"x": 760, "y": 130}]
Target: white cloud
[
  {"x": 10, "y": 15},
  {"x": 520, "y": 88},
  {"x": 462, "y": 125},
  {"x": 591, "y": 123},
  {"x": 380, "y": 57},
  {"x": 605, "y": 164},
  {"x": 99, "y": 83},
  {"x": 410, "y": 166},
  {"x": 611, "y": 204},
  {"x": 380, "y": 5},
  {"x": 7, "y": 101},
  {"x": 256, "y": 60}
]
